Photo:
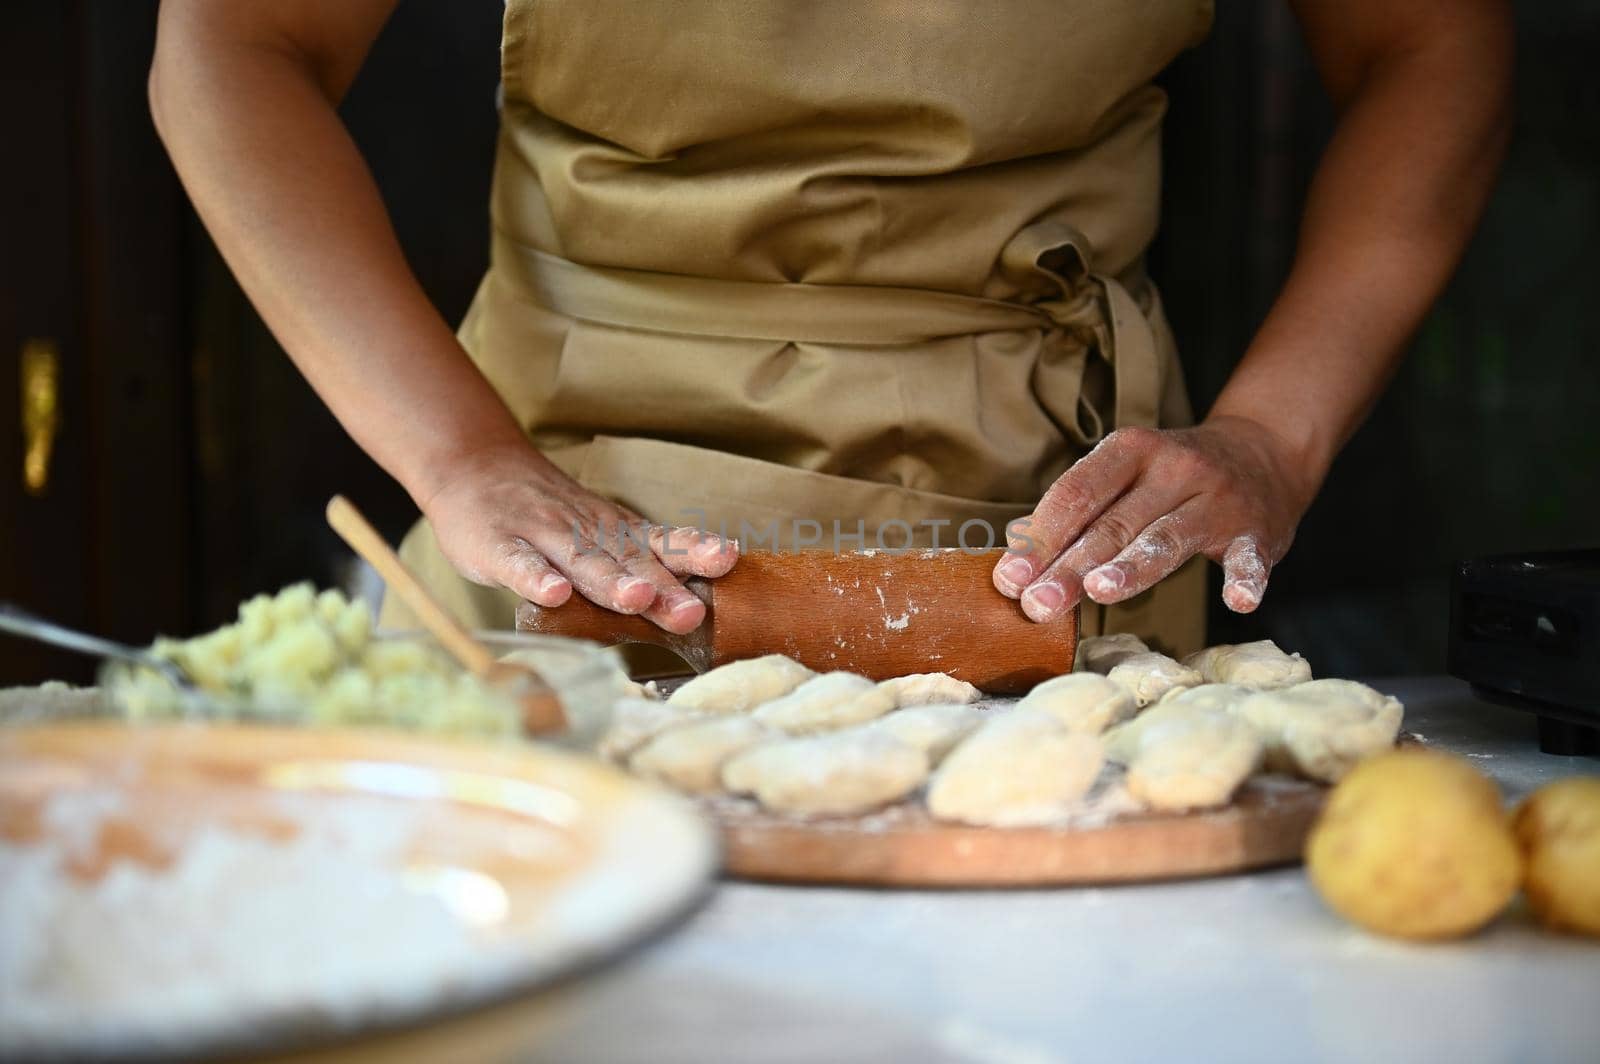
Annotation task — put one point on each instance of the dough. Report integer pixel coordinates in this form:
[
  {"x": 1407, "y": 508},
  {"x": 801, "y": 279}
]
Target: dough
[
  {"x": 1559, "y": 830},
  {"x": 1099, "y": 653},
  {"x": 1123, "y": 741},
  {"x": 824, "y": 703},
  {"x": 1260, "y": 665},
  {"x": 691, "y": 757},
  {"x": 635, "y": 721},
  {"x": 934, "y": 730},
  {"x": 929, "y": 688},
  {"x": 1322, "y": 728},
  {"x": 1217, "y": 696},
  {"x": 1018, "y": 769},
  {"x": 837, "y": 773},
  {"x": 1192, "y": 759},
  {"x": 1414, "y": 843},
  {"x": 740, "y": 686},
  {"x": 1081, "y": 701},
  {"x": 635, "y": 689},
  {"x": 1148, "y": 676}
]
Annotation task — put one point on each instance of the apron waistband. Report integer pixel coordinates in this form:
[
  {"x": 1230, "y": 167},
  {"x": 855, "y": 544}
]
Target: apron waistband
[{"x": 1096, "y": 309}]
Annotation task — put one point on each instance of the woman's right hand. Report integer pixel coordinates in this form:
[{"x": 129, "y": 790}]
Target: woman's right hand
[
  {"x": 509, "y": 518},
  {"x": 244, "y": 96}
]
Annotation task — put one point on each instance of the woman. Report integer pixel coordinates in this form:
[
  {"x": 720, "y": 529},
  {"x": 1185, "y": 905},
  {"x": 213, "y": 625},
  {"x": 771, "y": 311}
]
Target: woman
[{"x": 875, "y": 264}]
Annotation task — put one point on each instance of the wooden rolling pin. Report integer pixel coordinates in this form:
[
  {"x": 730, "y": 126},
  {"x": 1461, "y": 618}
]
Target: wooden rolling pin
[{"x": 874, "y": 613}]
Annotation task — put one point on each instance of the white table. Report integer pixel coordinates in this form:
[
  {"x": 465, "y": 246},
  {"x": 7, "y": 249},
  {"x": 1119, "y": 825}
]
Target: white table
[{"x": 1242, "y": 968}]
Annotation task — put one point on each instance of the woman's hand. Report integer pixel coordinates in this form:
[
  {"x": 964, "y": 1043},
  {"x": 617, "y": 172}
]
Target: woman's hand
[
  {"x": 1145, "y": 501},
  {"x": 508, "y": 518}
]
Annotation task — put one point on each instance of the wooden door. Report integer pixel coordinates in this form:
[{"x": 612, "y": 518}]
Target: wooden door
[{"x": 94, "y": 423}]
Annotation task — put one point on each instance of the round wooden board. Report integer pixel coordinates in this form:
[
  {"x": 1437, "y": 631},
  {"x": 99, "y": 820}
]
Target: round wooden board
[{"x": 903, "y": 846}]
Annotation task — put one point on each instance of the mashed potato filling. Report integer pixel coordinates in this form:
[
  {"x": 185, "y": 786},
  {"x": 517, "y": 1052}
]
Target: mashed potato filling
[{"x": 308, "y": 657}]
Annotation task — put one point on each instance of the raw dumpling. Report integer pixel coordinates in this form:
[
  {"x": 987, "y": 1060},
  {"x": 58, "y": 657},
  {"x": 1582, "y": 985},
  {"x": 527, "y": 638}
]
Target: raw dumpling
[
  {"x": 1216, "y": 696},
  {"x": 741, "y": 686},
  {"x": 1192, "y": 759},
  {"x": 1321, "y": 729},
  {"x": 635, "y": 721},
  {"x": 934, "y": 730},
  {"x": 1122, "y": 742},
  {"x": 825, "y": 703},
  {"x": 1260, "y": 665},
  {"x": 1018, "y": 769},
  {"x": 838, "y": 773},
  {"x": 1099, "y": 653},
  {"x": 929, "y": 688},
  {"x": 691, "y": 757},
  {"x": 1081, "y": 701},
  {"x": 1148, "y": 676}
]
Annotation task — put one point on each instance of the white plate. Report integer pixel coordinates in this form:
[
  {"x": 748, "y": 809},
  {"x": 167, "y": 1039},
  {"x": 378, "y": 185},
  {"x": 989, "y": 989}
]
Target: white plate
[{"x": 238, "y": 888}]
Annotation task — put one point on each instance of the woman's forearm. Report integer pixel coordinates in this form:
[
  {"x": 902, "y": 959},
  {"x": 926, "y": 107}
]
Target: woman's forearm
[
  {"x": 249, "y": 118},
  {"x": 1424, "y": 119}
]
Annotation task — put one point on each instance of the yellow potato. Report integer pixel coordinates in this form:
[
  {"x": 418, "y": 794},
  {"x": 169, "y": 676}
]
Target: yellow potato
[
  {"x": 1414, "y": 844},
  {"x": 1559, "y": 828}
]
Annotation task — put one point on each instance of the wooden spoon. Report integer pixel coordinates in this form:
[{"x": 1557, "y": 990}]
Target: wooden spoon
[{"x": 541, "y": 709}]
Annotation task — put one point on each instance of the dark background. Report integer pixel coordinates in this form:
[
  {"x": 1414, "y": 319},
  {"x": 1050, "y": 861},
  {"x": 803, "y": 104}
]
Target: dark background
[{"x": 192, "y": 462}]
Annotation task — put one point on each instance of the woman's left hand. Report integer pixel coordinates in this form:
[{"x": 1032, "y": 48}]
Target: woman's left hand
[{"x": 1145, "y": 501}]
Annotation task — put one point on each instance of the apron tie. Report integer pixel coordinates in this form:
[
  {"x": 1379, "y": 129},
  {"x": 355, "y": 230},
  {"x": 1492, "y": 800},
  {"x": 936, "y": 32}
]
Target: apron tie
[{"x": 1098, "y": 310}]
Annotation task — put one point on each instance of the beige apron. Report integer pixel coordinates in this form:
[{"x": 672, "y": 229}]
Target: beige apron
[{"x": 807, "y": 272}]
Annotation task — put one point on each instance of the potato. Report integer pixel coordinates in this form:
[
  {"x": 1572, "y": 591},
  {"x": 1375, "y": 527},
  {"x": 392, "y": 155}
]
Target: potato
[
  {"x": 1559, "y": 829},
  {"x": 304, "y": 656},
  {"x": 1414, "y": 844}
]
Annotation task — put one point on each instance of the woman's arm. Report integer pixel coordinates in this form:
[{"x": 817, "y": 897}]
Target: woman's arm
[
  {"x": 244, "y": 97},
  {"x": 1424, "y": 92}
]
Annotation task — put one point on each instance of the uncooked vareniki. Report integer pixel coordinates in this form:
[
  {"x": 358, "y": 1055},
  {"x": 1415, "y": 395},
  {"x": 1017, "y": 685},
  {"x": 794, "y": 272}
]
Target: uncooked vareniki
[
  {"x": 935, "y": 730},
  {"x": 1218, "y": 696},
  {"x": 1122, "y": 742},
  {"x": 1148, "y": 676},
  {"x": 824, "y": 703},
  {"x": 837, "y": 773},
  {"x": 635, "y": 721},
  {"x": 1081, "y": 701},
  {"x": 1321, "y": 729},
  {"x": 1261, "y": 665},
  {"x": 741, "y": 686},
  {"x": 1021, "y": 768},
  {"x": 1099, "y": 653},
  {"x": 690, "y": 757},
  {"x": 928, "y": 689},
  {"x": 1192, "y": 759}
]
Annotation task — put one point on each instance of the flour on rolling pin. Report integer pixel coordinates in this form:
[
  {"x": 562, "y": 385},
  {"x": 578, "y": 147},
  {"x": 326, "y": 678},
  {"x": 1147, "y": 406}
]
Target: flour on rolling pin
[{"x": 891, "y": 621}]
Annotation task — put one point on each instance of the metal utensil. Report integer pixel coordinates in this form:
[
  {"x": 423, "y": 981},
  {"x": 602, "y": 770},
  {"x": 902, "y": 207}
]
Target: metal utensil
[{"x": 18, "y": 621}]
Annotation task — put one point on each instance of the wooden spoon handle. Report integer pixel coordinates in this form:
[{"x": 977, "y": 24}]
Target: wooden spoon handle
[
  {"x": 355, "y": 530},
  {"x": 541, "y": 709}
]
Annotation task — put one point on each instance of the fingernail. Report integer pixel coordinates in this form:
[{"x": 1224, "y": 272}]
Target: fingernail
[
  {"x": 1015, "y": 571},
  {"x": 685, "y": 604},
  {"x": 1106, "y": 580},
  {"x": 1041, "y": 601},
  {"x": 551, "y": 582},
  {"x": 628, "y": 583},
  {"x": 1242, "y": 595}
]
